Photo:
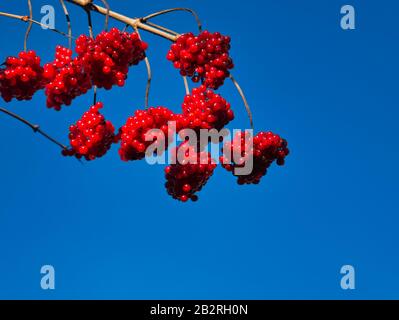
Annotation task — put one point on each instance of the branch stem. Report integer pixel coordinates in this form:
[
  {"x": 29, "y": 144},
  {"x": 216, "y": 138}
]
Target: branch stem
[{"x": 34, "y": 127}]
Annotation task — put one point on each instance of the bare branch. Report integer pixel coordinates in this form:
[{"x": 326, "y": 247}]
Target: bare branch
[
  {"x": 134, "y": 22},
  {"x": 27, "y": 19},
  {"x": 34, "y": 127},
  {"x": 186, "y": 85}
]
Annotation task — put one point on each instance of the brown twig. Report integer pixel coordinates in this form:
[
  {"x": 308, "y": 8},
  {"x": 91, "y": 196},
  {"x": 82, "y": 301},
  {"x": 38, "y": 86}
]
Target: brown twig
[
  {"x": 29, "y": 25},
  {"x": 240, "y": 91},
  {"x": 156, "y": 14},
  {"x": 34, "y": 127},
  {"x": 134, "y": 22},
  {"x": 27, "y": 19},
  {"x": 68, "y": 19}
]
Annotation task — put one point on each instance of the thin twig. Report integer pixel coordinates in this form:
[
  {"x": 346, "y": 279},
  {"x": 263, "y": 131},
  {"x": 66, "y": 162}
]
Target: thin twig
[
  {"x": 193, "y": 13},
  {"x": 186, "y": 85},
  {"x": 27, "y": 19},
  {"x": 244, "y": 100},
  {"x": 34, "y": 127},
  {"x": 125, "y": 27},
  {"x": 68, "y": 19},
  {"x": 29, "y": 25},
  {"x": 149, "y": 74},
  {"x": 94, "y": 95},
  {"x": 107, "y": 15}
]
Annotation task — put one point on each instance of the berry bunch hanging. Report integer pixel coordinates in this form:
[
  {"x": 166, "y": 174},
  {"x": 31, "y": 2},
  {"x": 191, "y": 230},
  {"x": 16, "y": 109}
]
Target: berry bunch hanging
[
  {"x": 66, "y": 79},
  {"x": 107, "y": 57},
  {"x": 187, "y": 177},
  {"x": 205, "y": 109},
  {"x": 204, "y": 57},
  {"x": 21, "y": 77},
  {"x": 266, "y": 148},
  {"x": 92, "y": 136},
  {"x": 133, "y": 133}
]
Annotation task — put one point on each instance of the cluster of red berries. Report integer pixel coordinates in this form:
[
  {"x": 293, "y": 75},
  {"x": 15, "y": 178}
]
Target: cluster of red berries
[
  {"x": 66, "y": 79},
  {"x": 204, "y": 109},
  {"x": 190, "y": 174},
  {"x": 204, "y": 57},
  {"x": 133, "y": 133},
  {"x": 107, "y": 57},
  {"x": 21, "y": 77},
  {"x": 266, "y": 148},
  {"x": 92, "y": 136}
]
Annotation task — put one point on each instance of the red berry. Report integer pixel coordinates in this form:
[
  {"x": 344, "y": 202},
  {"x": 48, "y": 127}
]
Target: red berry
[
  {"x": 205, "y": 57},
  {"x": 21, "y": 77},
  {"x": 186, "y": 178},
  {"x": 267, "y": 147},
  {"x": 133, "y": 144},
  {"x": 91, "y": 136}
]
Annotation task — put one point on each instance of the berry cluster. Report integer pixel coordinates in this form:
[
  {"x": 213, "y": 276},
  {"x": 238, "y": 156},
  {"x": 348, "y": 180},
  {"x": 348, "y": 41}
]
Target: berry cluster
[
  {"x": 92, "y": 136},
  {"x": 190, "y": 174},
  {"x": 204, "y": 109},
  {"x": 66, "y": 79},
  {"x": 21, "y": 77},
  {"x": 266, "y": 148},
  {"x": 133, "y": 133},
  {"x": 204, "y": 57},
  {"x": 107, "y": 57}
]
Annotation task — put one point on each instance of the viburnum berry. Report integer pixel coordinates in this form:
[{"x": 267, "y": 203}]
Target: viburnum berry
[
  {"x": 92, "y": 136},
  {"x": 66, "y": 79},
  {"x": 107, "y": 57},
  {"x": 187, "y": 177},
  {"x": 133, "y": 133},
  {"x": 204, "y": 109},
  {"x": 204, "y": 57},
  {"x": 21, "y": 77},
  {"x": 266, "y": 148}
]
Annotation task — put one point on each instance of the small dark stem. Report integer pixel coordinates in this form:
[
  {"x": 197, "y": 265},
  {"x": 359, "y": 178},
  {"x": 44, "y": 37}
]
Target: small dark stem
[
  {"x": 241, "y": 92},
  {"x": 107, "y": 15},
  {"x": 34, "y": 127}
]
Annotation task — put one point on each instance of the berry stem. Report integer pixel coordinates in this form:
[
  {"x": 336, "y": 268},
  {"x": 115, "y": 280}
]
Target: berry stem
[
  {"x": 107, "y": 14},
  {"x": 68, "y": 19},
  {"x": 193, "y": 13},
  {"x": 241, "y": 92},
  {"x": 186, "y": 85},
  {"x": 134, "y": 22},
  {"x": 149, "y": 73},
  {"x": 29, "y": 25},
  {"x": 34, "y": 127}
]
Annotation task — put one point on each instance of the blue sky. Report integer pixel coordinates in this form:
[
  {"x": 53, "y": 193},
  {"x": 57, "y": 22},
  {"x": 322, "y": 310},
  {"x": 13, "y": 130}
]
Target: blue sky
[{"x": 111, "y": 231}]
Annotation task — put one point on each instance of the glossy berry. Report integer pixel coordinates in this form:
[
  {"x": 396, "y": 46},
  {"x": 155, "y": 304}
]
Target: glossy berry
[
  {"x": 204, "y": 57},
  {"x": 204, "y": 109},
  {"x": 21, "y": 77},
  {"x": 266, "y": 148},
  {"x": 92, "y": 136},
  {"x": 107, "y": 57},
  {"x": 188, "y": 176},
  {"x": 66, "y": 79},
  {"x": 133, "y": 142}
]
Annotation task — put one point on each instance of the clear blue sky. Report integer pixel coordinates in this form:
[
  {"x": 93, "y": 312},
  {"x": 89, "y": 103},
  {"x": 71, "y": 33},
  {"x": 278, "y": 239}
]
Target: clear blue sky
[{"x": 111, "y": 231}]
